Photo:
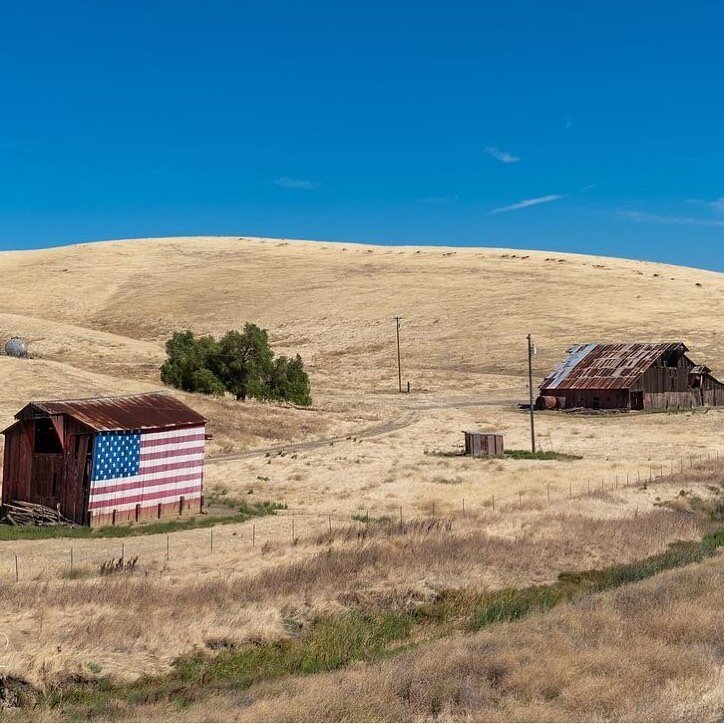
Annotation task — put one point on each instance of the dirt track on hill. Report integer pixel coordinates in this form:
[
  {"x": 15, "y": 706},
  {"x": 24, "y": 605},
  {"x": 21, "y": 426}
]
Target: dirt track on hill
[{"x": 411, "y": 414}]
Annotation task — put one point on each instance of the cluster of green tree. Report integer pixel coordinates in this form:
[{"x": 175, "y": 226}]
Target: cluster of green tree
[{"x": 241, "y": 363}]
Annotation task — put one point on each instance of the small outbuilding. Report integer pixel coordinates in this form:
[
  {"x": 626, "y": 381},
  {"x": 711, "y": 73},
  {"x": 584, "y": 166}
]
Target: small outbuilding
[
  {"x": 483, "y": 444},
  {"x": 630, "y": 376},
  {"x": 105, "y": 460}
]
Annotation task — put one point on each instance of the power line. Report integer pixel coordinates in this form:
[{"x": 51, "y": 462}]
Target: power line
[
  {"x": 530, "y": 393},
  {"x": 399, "y": 363}
]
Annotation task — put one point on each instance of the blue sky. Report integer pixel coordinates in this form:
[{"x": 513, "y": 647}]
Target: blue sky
[{"x": 571, "y": 126}]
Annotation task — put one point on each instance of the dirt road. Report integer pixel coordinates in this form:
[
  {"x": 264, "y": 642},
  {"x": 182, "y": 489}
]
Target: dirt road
[{"x": 411, "y": 413}]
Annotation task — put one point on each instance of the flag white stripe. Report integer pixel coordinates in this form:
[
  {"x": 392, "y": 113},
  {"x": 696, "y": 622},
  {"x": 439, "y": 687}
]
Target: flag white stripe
[
  {"x": 149, "y": 465},
  {"x": 191, "y": 444},
  {"x": 98, "y": 484}
]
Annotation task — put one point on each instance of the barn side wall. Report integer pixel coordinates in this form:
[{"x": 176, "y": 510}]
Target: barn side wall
[
  {"x": 53, "y": 480},
  {"x": 77, "y": 449},
  {"x": 605, "y": 399},
  {"x": 174, "y": 487},
  {"x": 691, "y": 398},
  {"x": 16, "y": 463},
  {"x": 162, "y": 511}
]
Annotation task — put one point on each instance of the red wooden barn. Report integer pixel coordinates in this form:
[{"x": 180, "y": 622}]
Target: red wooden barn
[{"x": 104, "y": 460}]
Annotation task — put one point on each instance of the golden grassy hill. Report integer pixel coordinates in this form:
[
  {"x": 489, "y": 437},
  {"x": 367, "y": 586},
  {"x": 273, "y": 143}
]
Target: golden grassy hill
[{"x": 96, "y": 316}]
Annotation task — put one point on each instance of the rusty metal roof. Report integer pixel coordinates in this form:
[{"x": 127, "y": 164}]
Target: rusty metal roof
[
  {"x": 152, "y": 410},
  {"x": 607, "y": 366}
]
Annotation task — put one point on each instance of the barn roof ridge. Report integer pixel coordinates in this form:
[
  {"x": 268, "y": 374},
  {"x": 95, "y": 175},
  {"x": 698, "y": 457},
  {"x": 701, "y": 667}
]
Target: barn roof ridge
[
  {"x": 136, "y": 411},
  {"x": 607, "y": 365},
  {"x": 100, "y": 398}
]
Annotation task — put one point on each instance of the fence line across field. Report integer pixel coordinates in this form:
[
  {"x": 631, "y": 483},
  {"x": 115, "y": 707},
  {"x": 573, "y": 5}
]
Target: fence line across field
[{"x": 71, "y": 560}]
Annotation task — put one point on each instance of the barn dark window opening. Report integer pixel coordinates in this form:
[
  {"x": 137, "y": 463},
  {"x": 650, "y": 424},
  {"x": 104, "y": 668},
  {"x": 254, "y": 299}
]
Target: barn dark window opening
[
  {"x": 596, "y": 403},
  {"x": 671, "y": 359},
  {"x": 46, "y": 438}
]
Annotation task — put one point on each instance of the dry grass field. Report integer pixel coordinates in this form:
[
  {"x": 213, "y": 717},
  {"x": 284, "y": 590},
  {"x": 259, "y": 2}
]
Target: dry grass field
[{"x": 380, "y": 515}]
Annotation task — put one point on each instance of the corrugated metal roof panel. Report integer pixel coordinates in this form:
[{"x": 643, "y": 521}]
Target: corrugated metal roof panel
[
  {"x": 607, "y": 366},
  {"x": 154, "y": 410}
]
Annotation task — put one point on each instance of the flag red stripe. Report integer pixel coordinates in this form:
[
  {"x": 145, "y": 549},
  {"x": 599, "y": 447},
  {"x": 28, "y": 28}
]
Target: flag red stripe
[
  {"x": 147, "y": 444},
  {"x": 146, "y": 456},
  {"x": 144, "y": 497},
  {"x": 136, "y": 482}
]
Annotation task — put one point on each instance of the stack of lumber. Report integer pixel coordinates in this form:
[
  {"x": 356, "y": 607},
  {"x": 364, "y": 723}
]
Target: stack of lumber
[{"x": 19, "y": 512}]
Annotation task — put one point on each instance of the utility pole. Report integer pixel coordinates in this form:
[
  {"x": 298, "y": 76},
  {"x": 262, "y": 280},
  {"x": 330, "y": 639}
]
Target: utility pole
[
  {"x": 530, "y": 392},
  {"x": 399, "y": 364}
]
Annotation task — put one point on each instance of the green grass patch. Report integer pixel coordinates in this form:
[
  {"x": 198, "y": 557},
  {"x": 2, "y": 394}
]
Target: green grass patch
[
  {"x": 540, "y": 455},
  {"x": 513, "y": 454},
  {"x": 365, "y": 518},
  {"x": 511, "y": 604},
  {"x": 333, "y": 642},
  {"x": 242, "y": 512},
  {"x": 336, "y": 641}
]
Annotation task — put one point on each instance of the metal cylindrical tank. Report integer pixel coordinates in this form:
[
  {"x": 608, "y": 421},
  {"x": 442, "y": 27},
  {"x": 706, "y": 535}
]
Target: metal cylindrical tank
[
  {"x": 15, "y": 347},
  {"x": 546, "y": 402}
]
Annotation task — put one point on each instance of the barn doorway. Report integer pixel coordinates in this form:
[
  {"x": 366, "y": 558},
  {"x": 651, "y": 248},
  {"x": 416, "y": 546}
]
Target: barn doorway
[{"x": 47, "y": 463}]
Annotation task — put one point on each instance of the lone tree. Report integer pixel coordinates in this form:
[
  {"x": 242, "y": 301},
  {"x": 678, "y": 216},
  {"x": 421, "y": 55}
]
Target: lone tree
[{"x": 241, "y": 363}]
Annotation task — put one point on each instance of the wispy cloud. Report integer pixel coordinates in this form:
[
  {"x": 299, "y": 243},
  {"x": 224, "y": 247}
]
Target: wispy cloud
[
  {"x": 438, "y": 200},
  {"x": 642, "y": 217},
  {"x": 293, "y": 183},
  {"x": 502, "y": 156},
  {"x": 716, "y": 205},
  {"x": 529, "y": 202}
]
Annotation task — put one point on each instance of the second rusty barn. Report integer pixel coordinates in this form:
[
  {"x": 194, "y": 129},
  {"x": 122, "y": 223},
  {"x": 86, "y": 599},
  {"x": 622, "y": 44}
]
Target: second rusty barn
[{"x": 630, "y": 376}]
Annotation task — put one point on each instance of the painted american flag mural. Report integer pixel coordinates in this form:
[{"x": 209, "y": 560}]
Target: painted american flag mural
[{"x": 146, "y": 468}]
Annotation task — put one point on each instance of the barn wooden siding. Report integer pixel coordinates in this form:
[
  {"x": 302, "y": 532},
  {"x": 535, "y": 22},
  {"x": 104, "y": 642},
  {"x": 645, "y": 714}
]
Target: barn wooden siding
[
  {"x": 54, "y": 480},
  {"x": 689, "y": 398}
]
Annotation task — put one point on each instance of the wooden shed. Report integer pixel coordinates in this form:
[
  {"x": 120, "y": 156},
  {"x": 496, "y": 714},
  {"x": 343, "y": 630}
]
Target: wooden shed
[
  {"x": 483, "y": 444},
  {"x": 105, "y": 460},
  {"x": 630, "y": 376}
]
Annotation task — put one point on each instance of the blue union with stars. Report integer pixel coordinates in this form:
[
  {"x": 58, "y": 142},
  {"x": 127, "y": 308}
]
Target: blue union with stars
[{"x": 116, "y": 455}]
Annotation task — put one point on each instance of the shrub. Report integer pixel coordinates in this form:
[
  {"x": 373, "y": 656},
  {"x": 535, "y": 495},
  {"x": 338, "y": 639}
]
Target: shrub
[{"x": 241, "y": 363}]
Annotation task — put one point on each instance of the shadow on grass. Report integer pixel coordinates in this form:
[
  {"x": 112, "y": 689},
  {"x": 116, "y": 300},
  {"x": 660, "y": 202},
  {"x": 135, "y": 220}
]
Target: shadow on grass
[{"x": 239, "y": 513}]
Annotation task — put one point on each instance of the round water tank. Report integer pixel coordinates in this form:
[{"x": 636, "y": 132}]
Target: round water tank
[{"x": 15, "y": 347}]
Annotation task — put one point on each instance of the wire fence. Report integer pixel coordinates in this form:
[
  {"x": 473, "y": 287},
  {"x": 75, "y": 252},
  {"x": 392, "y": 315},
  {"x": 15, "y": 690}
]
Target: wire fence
[{"x": 67, "y": 558}]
